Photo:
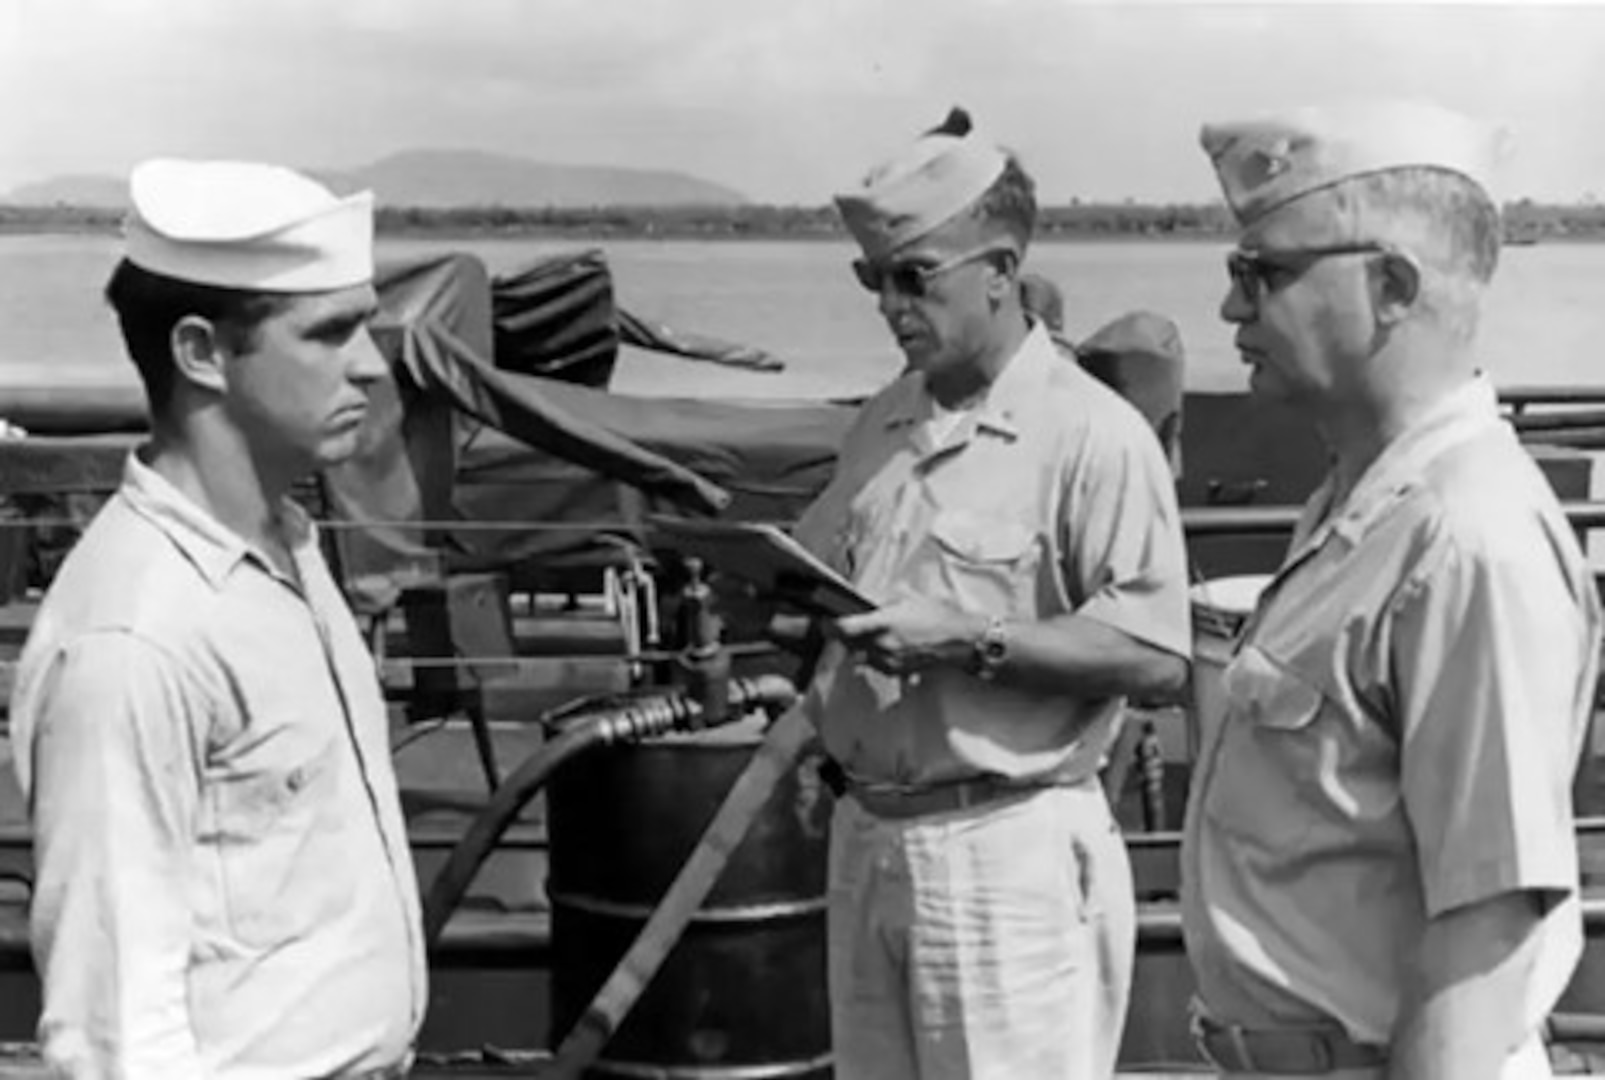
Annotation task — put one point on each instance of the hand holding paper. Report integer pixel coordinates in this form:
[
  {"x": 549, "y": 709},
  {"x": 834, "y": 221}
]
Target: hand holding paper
[
  {"x": 909, "y": 635},
  {"x": 769, "y": 559}
]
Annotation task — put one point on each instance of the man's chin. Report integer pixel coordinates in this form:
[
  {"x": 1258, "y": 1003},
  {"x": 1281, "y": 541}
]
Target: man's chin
[
  {"x": 1262, "y": 384},
  {"x": 921, "y": 356},
  {"x": 914, "y": 357},
  {"x": 1269, "y": 390},
  {"x": 338, "y": 449}
]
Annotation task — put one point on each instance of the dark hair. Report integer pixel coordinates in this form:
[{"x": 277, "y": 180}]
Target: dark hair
[
  {"x": 149, "y": 305},
  {"x": 1010, "y": 202}
]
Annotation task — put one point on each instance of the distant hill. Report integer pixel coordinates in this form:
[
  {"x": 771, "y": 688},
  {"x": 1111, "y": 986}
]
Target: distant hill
[
  {"x": 70, "y": 191},
  {"x": 447, "y": 179}
]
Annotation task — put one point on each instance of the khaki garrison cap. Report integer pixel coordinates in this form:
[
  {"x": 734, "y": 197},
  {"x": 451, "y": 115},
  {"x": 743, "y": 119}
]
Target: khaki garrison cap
[
  {"x": 915, "y": 192},
  {"x": 1264, "y": 164}
]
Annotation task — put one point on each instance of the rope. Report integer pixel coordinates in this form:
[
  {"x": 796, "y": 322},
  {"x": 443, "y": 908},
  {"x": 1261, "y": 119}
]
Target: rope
[
  {"x": 740, "y": 649},
  {"x": 1255, "y": 520},
  {"x": 422, "y": 525}
]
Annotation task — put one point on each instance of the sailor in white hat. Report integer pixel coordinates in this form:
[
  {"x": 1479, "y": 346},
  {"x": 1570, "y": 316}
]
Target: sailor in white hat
[
  {"x": 1379, "y": 868},
  {"x": 1018, "y": 523},
  {"x": 223, "y": 887}
]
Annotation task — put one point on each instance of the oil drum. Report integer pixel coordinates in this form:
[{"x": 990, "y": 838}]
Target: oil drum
[{"x": 743, "y": 993}]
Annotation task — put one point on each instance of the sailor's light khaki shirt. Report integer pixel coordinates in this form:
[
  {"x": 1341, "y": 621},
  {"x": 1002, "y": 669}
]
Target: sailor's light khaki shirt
[
  {"x": 1052, "y": 496},
  {"x": 1404, "y": 715},
  {"x": 224, "y": 885}
]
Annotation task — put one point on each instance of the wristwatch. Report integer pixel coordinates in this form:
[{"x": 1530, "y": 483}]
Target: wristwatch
[{"x": 990, "y": 649}]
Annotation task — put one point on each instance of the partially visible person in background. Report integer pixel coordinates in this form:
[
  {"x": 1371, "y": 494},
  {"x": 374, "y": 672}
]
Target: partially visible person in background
[
  {"x": 1043, "y": 302},
  {"x": 1140, "y": 357}
]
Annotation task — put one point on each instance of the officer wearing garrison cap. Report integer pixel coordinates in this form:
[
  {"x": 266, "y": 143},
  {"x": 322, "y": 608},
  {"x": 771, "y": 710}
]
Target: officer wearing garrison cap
[
  {"x": 1379, "y": 869},
  {"x": 1017, "y": 523},
  {"x": 223, "y": 885}
]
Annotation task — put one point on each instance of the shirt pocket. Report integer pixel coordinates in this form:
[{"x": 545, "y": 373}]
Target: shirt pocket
[
  {"x": 278, "y": 838},
  {"x": 1273, "y": 753},
  {"x": 986, "y": 563}
]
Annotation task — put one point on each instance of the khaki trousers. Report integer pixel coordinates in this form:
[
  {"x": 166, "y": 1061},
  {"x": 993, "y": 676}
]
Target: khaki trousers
[{"x": 993, "y": 942}]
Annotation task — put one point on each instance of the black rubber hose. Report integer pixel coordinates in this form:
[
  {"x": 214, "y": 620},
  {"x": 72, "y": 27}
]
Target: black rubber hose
[{"x": 656, "y": 714}]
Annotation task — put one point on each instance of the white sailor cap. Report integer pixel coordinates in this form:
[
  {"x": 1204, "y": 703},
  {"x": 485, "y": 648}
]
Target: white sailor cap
[
  {"x": 1266, "y": 163},
  {"x": 245, "y": 225},
  {"x": 915, "y": 192}
]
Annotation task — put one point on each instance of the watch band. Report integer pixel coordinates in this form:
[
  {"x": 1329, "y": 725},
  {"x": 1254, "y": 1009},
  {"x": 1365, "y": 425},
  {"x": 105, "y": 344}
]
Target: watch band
[{"x": 991, "y": 648}]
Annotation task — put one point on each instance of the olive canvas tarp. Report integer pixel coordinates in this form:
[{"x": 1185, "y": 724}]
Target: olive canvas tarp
[
  {"x": 468, "y": 464},
  {"x": 458, "y": 439},
  {"x": 558, "y": 317}
]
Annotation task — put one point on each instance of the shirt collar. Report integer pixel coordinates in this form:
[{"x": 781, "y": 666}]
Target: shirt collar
[
  {"x": 213, "y": 548},
  {"x": 1399, "y": 468},
  {"x": 1018, "y": 384}
]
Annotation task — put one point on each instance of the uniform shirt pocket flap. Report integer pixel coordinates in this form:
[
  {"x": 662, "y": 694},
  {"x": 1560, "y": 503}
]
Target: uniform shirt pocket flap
[
  {"x": 980, "y": 539},
  {"x": 270, "y": 799},
  {"x": 1269, "y": 693}
]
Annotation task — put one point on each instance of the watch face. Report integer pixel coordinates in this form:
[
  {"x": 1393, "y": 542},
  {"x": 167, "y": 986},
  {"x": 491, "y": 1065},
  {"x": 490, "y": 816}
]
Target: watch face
[{"x": 993, "y": 646}]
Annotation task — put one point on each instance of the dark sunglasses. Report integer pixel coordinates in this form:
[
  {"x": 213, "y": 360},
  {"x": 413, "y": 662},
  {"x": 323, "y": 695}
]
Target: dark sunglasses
[
  {"x": 1254, "y": 272},
  {"x": 912, "y": 279}
]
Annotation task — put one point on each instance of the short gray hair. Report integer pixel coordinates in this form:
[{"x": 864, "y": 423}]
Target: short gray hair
[{"x": 1445, "y": 220}]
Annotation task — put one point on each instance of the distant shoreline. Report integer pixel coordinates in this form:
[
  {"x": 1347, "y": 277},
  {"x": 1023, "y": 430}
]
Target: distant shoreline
[{"x": 1525, "y": 222}]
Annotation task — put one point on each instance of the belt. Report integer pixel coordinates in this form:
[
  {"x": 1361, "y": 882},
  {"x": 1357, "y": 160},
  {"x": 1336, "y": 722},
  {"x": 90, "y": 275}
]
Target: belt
[
  {"x": 897, "y": 803},
  {"x": 1301, "y": 1051},
  {"x": 397, "y": 1071}
]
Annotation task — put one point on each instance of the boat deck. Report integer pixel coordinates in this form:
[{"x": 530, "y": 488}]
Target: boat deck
[
  {"x": 490, "y": 982},
  {"x": 490, "y": 978}
]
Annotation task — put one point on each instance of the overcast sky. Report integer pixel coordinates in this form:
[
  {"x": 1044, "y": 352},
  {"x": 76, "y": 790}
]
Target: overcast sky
[{"x": 784, "y": 100}]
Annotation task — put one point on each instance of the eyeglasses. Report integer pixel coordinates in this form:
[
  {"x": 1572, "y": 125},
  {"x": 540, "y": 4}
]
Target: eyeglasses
[
  {"x": 912, "y": 279},
  {"x": 1255, "y": 272}
]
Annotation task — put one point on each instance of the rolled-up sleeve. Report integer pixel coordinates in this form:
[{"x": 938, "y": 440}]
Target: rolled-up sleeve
[
  {"x": 1124, "y": 557},
  {"x": 114, "y": 795},
  {"x": 1490, "y": 651}
]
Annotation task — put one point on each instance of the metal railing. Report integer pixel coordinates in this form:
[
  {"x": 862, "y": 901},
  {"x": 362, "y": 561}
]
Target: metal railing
[{"x": 1246, "y": 521}]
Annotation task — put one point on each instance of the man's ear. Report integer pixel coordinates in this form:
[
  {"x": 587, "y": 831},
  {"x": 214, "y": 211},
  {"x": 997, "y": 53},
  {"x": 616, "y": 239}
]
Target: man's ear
[
  {"x": 1006, "y": 280},
  {"x": 199, "y": 352},
  {"x": 1397, "y": 284}
]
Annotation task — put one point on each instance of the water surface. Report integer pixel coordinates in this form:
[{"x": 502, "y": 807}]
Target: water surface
[{"x": 1544, "y": 319}]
